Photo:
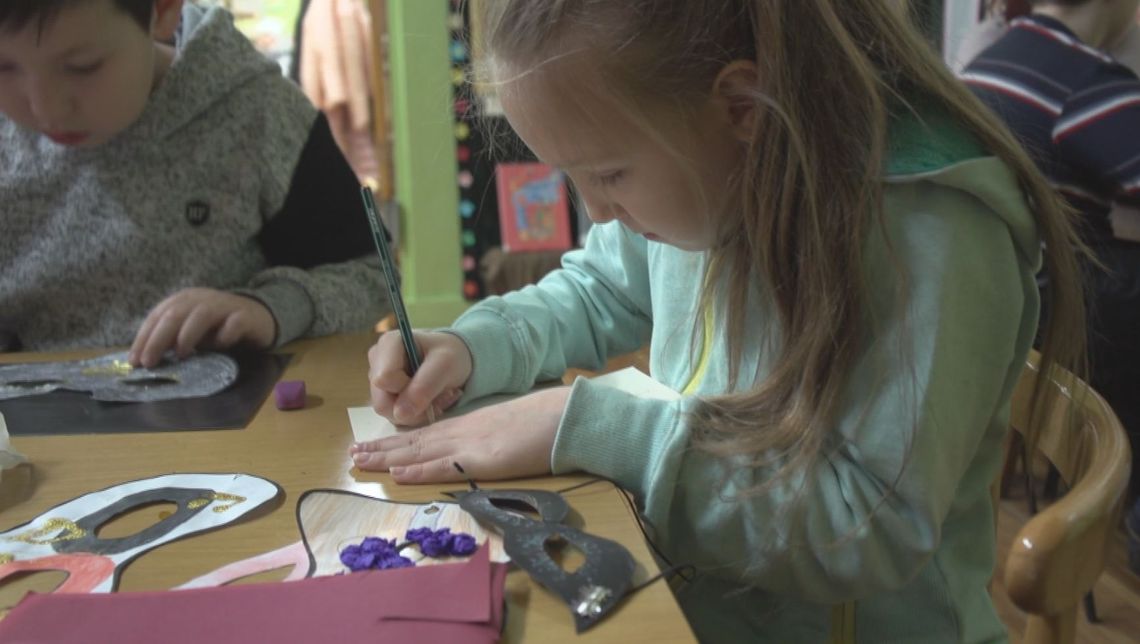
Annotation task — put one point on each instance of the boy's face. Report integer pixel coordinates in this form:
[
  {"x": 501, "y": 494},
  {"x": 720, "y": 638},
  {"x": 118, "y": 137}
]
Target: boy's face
[{"x": 86, "y": 75}]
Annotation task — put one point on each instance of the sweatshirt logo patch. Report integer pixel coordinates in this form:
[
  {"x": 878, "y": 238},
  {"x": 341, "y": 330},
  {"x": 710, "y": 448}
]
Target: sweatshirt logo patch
[{"x": 197, "y": 213}]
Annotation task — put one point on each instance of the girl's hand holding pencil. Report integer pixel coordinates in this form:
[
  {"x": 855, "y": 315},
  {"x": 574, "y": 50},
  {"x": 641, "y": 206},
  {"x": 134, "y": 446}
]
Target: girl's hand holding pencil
[{"x": 404, "y": 399}]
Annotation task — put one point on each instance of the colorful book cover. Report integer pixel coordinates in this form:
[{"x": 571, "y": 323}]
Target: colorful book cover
[{"x": 534, "y": 212}]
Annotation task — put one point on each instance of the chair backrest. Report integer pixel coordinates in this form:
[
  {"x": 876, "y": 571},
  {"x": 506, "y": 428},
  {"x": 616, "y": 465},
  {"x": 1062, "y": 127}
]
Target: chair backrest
[{"x": 1058, "y": 555}]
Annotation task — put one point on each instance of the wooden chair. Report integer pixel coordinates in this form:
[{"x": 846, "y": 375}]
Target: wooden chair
[{"x": 1058, "y": 555}]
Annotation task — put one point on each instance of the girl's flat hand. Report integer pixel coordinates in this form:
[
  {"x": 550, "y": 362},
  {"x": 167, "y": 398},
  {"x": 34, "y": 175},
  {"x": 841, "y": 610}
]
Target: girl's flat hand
[
  {"x": 513, "y": 439},
  {"x": 446, "y": 366}
]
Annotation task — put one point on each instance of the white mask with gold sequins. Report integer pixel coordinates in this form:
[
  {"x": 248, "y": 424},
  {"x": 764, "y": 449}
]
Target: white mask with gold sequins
[{"x": 65, "y": 537}]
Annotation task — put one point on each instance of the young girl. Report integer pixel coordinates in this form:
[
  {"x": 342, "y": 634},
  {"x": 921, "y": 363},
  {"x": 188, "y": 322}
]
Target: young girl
[{"x": 829, "y": 245}]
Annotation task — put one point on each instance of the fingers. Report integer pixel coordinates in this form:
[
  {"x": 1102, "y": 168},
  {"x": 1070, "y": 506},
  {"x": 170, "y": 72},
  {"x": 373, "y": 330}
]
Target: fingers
[
  {"x": 405, "y": 449},
  {"x": 386, "y": 375},
  {"x": 447, "y": 399},
  {"x": 429, "y": 386},
  {"x": 162, "y": 336},
  {"x": 194, "y": 327},
  {"x": 198, "y": 317},
  {"x": 388, "y": 364},
  {"x": 232, "y": 331},
  {"x": 420, "y": 456},
  {"x": 143, "y": 336},
  {"x": 440, "y": 470},
  {"x": 383, "y": 402}
]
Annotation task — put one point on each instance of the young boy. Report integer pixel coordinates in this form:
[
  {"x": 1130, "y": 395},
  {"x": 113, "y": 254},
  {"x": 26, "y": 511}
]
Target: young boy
[{"x": 179, "y": 196}]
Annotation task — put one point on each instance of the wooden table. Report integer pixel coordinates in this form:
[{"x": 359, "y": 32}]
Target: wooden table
[{"x": 303, "y": 450}]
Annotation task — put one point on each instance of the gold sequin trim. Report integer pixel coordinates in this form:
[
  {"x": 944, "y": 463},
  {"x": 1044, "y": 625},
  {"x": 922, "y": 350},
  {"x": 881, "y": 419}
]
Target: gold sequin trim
[
  {"x": 116, "y": 368},
  {"x": 71, "y": 532},
  {"x": 6, "y": 558},
  {"x": 230, "y": 499}
]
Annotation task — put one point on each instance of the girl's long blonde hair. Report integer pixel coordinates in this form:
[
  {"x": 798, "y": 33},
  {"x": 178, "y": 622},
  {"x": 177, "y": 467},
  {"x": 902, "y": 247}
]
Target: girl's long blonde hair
[{"x": 830, "y": 73}]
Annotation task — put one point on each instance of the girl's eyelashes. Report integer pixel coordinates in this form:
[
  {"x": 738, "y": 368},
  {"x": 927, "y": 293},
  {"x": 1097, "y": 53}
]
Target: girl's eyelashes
[{"x": 609, "y": 178}]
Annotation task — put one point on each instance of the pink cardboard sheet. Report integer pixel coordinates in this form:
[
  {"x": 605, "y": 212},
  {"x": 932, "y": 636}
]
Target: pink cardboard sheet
[{"x": 460, "y": 603}]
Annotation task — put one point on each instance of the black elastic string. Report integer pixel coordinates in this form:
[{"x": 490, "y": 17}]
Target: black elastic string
[
  {"x": 626, "y": 496},
  {"x": 579, "y": 486},
  {"x": 668, "y": 572},
  {"x": 470, "y": 481}
]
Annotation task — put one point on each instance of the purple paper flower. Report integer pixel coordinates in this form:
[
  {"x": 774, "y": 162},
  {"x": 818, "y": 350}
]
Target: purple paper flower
[
  {"x": 417, "y": 535},
  {"x": 438, "y": 544},
  {"x": 373, "y": 553},
  {"x": 355, "y": 559},
  {"x": 378, "y": 546},
  {"x": 442, "y": 542},
  {"x": 349, "y": 555},
  {"x": 462, "y": 544}
]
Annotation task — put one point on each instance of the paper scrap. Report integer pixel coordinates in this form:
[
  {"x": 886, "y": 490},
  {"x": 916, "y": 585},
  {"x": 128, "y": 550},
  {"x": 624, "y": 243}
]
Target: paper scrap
[
  {"x": 460, "y": 603},
  {"x": 367, "y": 425},
  {"x": 9, "y": 457},
  {"x": 633, "y": 380}
]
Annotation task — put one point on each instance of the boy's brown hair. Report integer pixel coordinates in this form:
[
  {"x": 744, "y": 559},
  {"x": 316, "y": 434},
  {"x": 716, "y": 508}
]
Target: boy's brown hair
[{"x": 16, "y": 14}]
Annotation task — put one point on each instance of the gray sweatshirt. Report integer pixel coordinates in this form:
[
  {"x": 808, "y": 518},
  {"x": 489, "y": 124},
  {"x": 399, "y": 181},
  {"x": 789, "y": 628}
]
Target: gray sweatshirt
[{"x": 230, "y": 179}]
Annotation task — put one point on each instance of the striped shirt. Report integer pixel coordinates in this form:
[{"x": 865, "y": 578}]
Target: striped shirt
[{"x": 1075, "y": 109}]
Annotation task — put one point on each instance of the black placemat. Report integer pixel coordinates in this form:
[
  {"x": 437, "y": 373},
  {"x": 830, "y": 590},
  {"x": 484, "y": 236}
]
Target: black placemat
[{"x": 67, "y": 412}]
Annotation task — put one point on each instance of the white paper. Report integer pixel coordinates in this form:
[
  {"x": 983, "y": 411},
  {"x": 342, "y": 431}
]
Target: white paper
[
  {"x": 633, "y": 380},
  {"x": 9, "y": 457},
  {"x": 367, "y": 425}
]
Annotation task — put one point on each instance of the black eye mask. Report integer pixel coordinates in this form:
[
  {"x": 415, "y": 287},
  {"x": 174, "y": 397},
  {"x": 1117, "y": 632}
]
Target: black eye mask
[{"x": 592, "y": 590}]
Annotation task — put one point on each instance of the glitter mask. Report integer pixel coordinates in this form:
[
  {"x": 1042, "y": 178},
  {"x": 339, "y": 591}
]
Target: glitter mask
[
  {"x": 591, "y": 591},
  {"x": 65, "y": 537},
  {"x": 111, "y": 378}
]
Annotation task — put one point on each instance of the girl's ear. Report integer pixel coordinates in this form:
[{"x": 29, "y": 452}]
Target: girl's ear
[
  {"x": 734, "y": 93},
  {"x": 167, "y": 15}
]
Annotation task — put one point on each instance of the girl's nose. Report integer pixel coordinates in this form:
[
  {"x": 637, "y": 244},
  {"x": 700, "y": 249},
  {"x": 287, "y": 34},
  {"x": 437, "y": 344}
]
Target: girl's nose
[{"x": 601, "y": 211}]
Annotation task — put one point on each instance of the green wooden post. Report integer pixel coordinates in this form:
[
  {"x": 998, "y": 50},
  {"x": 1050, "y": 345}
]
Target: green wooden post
[{"x": 425, "y": 163}]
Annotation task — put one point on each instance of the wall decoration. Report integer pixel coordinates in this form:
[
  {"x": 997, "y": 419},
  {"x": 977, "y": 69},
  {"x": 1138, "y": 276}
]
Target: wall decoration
[{"x": 534, "y": 213}]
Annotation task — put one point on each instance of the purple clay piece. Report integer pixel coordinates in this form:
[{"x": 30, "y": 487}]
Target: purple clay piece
[{"x": 289, "y": 394}]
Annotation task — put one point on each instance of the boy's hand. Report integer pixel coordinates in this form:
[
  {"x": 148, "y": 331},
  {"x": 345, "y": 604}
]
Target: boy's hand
[
  {"x": 508, "y": 440},
  {"x": 202, "y": 317},
  {"x": 445, "y": 368}
]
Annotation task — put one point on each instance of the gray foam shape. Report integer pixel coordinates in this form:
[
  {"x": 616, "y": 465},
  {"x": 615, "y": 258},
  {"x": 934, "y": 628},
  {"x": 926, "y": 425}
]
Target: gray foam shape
[{"x": 199, "y": 375}]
